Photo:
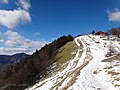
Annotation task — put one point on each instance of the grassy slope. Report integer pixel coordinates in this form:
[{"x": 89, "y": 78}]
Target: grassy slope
[{"x": 65, "y": 53}]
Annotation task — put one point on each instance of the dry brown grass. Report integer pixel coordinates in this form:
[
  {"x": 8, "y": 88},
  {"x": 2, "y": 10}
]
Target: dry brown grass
[
  {"x": 113, "y": 73},
  {"x": 117, "y": 58},
  {"x": 75, "y": 73},
  {"x": 116, "y": 85},
  {"x": 108, "y": 67},
  {"x": 95, "y": 72},
  {"x": 117, "y": 79}
]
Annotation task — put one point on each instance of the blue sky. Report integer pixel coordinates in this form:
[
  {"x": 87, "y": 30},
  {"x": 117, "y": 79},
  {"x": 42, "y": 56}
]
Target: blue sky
[
  {"x": 40, "y": 21},
  {"x": 53, "y": 18}
]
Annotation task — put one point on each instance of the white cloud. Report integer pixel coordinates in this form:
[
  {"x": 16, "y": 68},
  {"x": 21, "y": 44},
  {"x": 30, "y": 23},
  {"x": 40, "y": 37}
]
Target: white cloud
[
  {"x": 37, "y": 34},
  {"x": 24, "y": 4},
  {"x": 1, "y": 40},
  {"x": 4, "y": 1},
  {"x": 11, "y": 19},
  {"x": 11, "y": 51},
  {"x": 13, "y": 42},
  {"x": 114, "y": 15},
  {"x": 13, "y": 38},
  {"x": 17, "y": 41}
]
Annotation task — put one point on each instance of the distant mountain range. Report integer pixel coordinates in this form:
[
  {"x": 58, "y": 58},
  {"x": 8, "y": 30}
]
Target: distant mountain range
[{"x": 9, "y": 59}]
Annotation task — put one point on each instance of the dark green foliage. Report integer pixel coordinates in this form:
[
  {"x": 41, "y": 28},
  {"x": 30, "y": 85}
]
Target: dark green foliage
[
  {"x": 93, "y": 32},
  {"x": 29, "y": 70}
]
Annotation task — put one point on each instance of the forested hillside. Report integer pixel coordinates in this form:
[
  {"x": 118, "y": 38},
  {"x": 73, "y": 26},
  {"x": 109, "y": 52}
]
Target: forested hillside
[{"x": 25, "y": 73}]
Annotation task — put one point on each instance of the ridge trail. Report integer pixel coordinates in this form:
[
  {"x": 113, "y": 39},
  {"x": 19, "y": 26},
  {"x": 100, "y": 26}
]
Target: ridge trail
[{"x": 78, "y": 74}]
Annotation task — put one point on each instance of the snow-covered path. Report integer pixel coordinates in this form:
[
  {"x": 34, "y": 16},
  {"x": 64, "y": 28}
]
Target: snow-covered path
[
  {"x": 86, "y": 80},
  {"x": 78, "y": 74}
]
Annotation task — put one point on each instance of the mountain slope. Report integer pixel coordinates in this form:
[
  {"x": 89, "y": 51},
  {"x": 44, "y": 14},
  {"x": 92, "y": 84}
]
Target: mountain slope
[
  {"x": 36, "y": 66},
  {"x": 90, "y": 69},
  {"x": 7, "y": 59}
]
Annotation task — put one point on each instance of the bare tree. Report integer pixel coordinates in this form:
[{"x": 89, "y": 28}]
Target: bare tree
[
  {"x": 111, "y": 50},
  {"x": 115, "y": 31}
]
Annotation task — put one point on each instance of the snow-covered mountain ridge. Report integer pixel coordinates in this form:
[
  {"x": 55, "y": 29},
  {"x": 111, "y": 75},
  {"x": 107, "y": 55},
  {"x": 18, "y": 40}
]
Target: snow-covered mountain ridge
[{"x": 90, "y": 69}]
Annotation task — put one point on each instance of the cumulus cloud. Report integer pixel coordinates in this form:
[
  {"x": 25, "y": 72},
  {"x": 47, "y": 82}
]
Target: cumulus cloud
[
  {"x": 114, "y": 15},
  {"x": 24, "y": 4},
  {"x": 17, "y": 41},
  {"x": 4, "y": 1},
  {"x": 11, "y": 41},
  {"x": 14, "y": 43},
  {"x": 11, "y": 19}
]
